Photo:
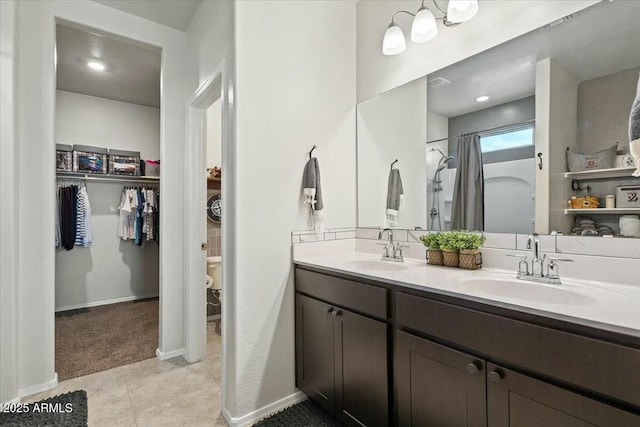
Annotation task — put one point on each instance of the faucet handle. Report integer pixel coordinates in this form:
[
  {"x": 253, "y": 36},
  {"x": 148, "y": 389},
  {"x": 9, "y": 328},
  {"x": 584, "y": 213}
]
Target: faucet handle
[
  {"x": 386, "y": 249},
  {"x": 523, "y": 265},
  {"x": 552, "y": 268}
]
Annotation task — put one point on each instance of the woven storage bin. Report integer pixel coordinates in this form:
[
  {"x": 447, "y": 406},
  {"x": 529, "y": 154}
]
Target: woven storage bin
[
  {"x": 434, "y": 256},
  {"x": 64, "y": 157},
  {"x": 470, "y": 259},
  {"x": 450, "y": 257},
  {"x": 589, "y": 202}
]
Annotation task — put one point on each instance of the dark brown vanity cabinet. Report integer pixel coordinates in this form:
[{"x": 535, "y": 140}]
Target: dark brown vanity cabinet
[
  {"x": 341, "y": 356},
  {"x": 437, "y": 386}
]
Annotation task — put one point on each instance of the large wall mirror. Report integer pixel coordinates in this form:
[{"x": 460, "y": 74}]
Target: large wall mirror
[{"x": 482, "y": 144}]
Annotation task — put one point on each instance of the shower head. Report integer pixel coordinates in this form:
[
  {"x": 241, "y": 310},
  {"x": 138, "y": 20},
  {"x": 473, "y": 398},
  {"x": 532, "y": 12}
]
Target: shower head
[{"x": 443, "y": 162}]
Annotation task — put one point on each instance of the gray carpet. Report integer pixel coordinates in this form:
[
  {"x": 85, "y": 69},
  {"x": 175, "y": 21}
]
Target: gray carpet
[
  {"x": 99, "y": 338},
  {"x": 307, "y": 414},
  {"x": 65, "y": 410}
]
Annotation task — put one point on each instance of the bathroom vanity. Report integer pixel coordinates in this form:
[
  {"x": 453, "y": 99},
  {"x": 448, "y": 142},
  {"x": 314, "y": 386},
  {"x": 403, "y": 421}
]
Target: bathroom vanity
[{"x": 409, "y": 348}]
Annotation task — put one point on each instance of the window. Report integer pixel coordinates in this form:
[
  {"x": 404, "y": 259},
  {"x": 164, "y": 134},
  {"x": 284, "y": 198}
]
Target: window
[{"x": 506, "y": 139}]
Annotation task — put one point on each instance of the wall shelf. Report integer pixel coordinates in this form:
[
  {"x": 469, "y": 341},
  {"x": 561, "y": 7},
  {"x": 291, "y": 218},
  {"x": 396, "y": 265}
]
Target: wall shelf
[
  {"x": 604, "y": 211},
  {"x": 601, "y": 173},
  {"x": 106, "y": 178}
]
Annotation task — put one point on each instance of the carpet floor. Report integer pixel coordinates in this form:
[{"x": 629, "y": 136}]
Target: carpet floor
[
  {"x": 95, "y": 339},
  {"x": 64, "y": 410},
  {"x": 303, "y": 414}
]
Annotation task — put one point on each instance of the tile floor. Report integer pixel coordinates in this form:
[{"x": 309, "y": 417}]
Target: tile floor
[{"x": 153, "y": 392}]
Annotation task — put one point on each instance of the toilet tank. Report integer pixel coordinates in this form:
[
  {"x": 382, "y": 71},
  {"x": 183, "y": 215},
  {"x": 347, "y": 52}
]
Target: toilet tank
[{"x": 214, "y": 269}]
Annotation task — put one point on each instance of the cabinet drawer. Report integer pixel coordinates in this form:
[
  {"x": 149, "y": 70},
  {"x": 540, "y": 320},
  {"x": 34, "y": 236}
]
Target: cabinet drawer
[
  {"x": 367, "y": 299},
  {"x": 603, "y": 367}
]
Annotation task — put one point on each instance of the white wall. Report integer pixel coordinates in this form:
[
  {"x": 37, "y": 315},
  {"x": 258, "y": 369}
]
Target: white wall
[
  {"x": 111, "y": 269},
  {"x": 35, "y": 261},
  {"x": 495, "y": 23},
  {"x": 555, "y": 130},
  {"x": 393, "y": 126},
  {"x": 9, "y": 242},
  {"x": 295, "y": 88},
  {"x": 214, "y": 134},
  {"x": 89, "y": 120}
]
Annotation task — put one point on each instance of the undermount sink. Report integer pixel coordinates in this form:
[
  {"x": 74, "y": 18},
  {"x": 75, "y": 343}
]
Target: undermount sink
[
  {"x": 527, "y": 291},
  {"x": 378, "y": 265}
]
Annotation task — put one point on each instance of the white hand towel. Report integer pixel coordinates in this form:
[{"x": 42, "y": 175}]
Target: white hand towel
[{"x": 312, "y": 192}]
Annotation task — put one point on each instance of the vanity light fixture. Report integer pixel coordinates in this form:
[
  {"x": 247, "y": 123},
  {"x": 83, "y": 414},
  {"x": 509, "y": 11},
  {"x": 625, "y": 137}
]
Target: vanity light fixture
[
  {"x": 482, "y": 98},
  {"x": 96, "y": 65},
  {"x": 425, "y": 26}
]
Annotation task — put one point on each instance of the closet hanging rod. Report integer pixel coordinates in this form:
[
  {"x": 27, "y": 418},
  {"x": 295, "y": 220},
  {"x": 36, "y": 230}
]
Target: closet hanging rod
[{"x": 107, "y": 178}]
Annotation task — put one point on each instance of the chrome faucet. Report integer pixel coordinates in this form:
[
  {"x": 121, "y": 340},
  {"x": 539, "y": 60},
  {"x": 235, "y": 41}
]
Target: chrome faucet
[
  {"x": 537, "y": 274},
  {"x": 536, "y": 262},
  {"x": 396, "y": 249}
]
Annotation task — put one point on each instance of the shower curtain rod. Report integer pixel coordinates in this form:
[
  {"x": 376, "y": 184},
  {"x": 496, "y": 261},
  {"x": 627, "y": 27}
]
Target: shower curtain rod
[{"x": 487, "y": 131}]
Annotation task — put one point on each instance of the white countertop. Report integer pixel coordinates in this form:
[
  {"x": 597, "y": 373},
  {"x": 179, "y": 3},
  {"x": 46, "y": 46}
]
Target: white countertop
[{"x": 610, "y": 307}]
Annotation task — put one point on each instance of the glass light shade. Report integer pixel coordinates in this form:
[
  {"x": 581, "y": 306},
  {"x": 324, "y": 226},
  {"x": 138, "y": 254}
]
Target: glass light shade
[
  {"x": 393, "y": 42},
  {"x": 424, "y": 27},
  {"x": 461, "y": 10}
]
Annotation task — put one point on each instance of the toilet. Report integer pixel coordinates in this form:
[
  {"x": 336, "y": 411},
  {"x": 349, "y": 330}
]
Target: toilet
[{"x": 214, "y": 276}]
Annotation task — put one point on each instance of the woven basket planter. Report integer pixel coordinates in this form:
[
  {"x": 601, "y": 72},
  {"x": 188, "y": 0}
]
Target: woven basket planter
[
  {"x": 470, "y": 259},
  {"x": 450, "y": 257},
  {"x": 434, "y": 256}
]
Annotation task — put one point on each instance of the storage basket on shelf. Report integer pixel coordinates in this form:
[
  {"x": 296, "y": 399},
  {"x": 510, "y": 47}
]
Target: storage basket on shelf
[
  {"x": 587, "y": 202},
  {"x": 603, "y": 159},
  {"x": 150, "y": 167},
  {"x": 123, "y": 162},
  {"x": 64, "y": 157},
  {"x": 88, "y": 159},
  {"x": 628, "y": 196}
]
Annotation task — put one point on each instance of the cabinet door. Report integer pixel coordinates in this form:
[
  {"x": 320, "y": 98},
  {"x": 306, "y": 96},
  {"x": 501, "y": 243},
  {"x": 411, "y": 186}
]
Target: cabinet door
[
  {"x": 362, "y": 385},
  {"x": 520, "y": 401},
  {"x": 315, "y": 351},
  {"x": 436, "y": 386}
]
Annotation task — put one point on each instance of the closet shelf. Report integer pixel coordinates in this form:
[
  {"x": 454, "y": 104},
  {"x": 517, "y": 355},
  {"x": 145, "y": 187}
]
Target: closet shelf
[
  {"x": 603, "y": 211},
  {"x": 601, "y": 173},
  {"x": 106, "y": 178}
]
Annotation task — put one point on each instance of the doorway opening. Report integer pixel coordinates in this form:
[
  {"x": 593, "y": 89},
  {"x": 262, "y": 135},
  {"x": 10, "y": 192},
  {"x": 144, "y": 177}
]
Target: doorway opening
[{"x": 107, "y": 131}]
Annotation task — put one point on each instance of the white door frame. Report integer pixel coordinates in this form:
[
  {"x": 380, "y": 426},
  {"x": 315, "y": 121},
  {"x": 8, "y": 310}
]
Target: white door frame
[{"x": 195, "y": 264}]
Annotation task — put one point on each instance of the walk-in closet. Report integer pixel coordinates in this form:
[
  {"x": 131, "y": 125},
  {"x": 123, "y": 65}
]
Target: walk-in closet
[{"x": 107, "y": 133}]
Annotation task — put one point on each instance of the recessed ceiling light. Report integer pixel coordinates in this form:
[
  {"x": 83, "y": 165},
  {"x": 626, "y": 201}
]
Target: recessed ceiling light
[
  {"x": 96, "y": 66},
  {"x": 482, "y": 98}
]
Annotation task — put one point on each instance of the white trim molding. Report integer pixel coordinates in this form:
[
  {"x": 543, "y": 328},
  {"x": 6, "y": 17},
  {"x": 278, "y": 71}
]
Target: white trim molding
[
  {"x": 106, "y": 302},
  {"x": 265, "y": 411},
  {"x": 28, "y": 391},
  {"x": 164, "y": 355}
]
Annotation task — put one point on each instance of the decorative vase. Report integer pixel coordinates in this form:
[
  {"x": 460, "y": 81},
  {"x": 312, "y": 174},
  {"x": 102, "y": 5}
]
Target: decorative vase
[
  {"x": 450, "y": 257},
  {"x": 434, "y": 256},
  {"x": 470, "y": 259}
]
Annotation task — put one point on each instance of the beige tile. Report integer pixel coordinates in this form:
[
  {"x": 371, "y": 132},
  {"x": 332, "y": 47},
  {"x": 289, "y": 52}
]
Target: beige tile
[{"x": 198, "y": 408}]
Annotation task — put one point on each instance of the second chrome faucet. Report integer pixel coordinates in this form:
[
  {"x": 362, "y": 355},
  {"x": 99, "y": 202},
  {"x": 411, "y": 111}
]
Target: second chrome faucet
[
  {"x": 396, "y": 248},
  {"x": 537, "y": 273}
]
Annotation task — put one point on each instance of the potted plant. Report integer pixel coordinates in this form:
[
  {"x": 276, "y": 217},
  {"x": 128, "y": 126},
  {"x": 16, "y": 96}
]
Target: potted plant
[
  {"x": 450, "y": 246},
  {"x": 434, "y": 254},
  {"x": 469, "y": 244}
]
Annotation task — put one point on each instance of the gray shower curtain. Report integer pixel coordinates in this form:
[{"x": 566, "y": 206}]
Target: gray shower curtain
[{"x": 467, "y": 210}]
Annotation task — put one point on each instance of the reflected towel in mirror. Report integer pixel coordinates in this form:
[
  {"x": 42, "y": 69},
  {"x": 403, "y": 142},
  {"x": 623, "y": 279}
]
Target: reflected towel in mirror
[{"x": 394, "y": 195}]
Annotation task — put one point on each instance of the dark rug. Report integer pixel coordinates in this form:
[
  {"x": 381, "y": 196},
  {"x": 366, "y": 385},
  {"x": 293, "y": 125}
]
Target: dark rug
[
  {"x": 65, "y": 410},
  {"x": 307, "y": 414},
  {"x": 95, "y": 339}
]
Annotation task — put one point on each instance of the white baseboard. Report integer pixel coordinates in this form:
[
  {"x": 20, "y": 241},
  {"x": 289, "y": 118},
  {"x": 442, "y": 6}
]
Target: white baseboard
[
  {"x": 265, "y": 411},
  {"x": 164, "y": 355},
  {"x": 28, "y": 391},
  {"x": 105, "y": 302}
]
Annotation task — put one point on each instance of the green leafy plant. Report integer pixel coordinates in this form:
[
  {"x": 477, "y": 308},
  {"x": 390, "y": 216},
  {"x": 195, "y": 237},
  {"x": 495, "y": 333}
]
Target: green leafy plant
[
  {"x": 431, "y": 241},
  {"x": 452, "y": 240}
]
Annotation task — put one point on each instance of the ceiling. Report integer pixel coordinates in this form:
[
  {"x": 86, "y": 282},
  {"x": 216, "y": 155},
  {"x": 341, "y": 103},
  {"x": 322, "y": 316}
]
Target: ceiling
[
  {"x": 132, "y": 71},
  {"x": 595, "y": 42},
  {"x": 172, "y": 13}
]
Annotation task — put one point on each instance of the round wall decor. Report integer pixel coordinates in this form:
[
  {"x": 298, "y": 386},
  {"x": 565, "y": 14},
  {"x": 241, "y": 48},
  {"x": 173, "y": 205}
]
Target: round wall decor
[{"x": 214, "y": 210}]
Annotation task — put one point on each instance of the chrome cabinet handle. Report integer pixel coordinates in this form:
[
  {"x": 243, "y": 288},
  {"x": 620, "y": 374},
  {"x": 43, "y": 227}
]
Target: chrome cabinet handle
[
  {"x": 473, "y": 368},
  {"x": 336, "y": 313},
  {"x": 495, "y": 376},
  {"x": 328, "y": 310}
]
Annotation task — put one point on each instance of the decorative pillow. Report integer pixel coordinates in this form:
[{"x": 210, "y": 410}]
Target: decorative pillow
[{"x": 603, "y": 159}]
